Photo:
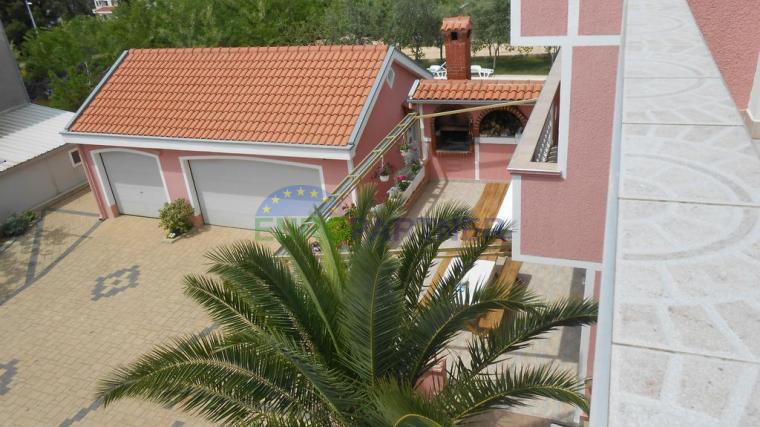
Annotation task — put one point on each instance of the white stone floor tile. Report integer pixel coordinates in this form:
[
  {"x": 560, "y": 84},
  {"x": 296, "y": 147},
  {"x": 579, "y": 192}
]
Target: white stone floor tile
[
  {"x": 694, "y": 163},
  {"x": 686, "y": 330}
]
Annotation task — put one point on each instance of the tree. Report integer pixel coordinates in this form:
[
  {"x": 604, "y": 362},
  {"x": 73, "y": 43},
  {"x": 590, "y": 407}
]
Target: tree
[
  {"x": 46, "y": 13},
  {"x": 417, "y": 24},
  {"x": 491, "y": 26},
  {"x": 325, "y": 340},
  {"x": 65, "y": 62}
]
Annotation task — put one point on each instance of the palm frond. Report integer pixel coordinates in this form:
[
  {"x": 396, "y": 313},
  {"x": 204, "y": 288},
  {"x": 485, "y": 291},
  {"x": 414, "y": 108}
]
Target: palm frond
[
  {"x": 365, "y": 200},
  {"x": 380, "y": 226},
  {"x": 332, "y": 386},
  {"x": 332, "y": 261},
  {"x": 518, "y": 332},
  {"x": 318, "y": 289},
  {"x": 511, "y": 387},
  {"x": 263, "y": 282},
  {"x": 442, "y": 319},
  {"x": 371, "y": 315},
  {"x": 224, "y": 386},
  {"x": 421, "y": 247},
  {"x": 399, "y": 404},
  {"x": 468, "y": 255}
]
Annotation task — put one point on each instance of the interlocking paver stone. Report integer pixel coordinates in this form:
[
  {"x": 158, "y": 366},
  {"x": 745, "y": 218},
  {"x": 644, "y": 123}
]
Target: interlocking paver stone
[{"x": 57, "y": 339}]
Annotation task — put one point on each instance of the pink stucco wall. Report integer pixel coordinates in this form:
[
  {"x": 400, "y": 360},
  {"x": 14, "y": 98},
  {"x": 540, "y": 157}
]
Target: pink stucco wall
[
  {"x": 388, "y": 111},
  {"x": 600, "y": 17},
  {"x": 494, "y": 159},
  {"x": 333, "y": 171},
  {"x": 565, "y": 218},
  {"x": 730, "y": 28},
  {"x": 543, "y": 17}
]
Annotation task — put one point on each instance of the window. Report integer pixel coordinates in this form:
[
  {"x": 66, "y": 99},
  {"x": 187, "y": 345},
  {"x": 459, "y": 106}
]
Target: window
[
  {"x": 500, "y": 123},
  {"x": 76, "y": 160},
  {"x": 454, "y": 35},
  {"x": 391, "y": 77}
]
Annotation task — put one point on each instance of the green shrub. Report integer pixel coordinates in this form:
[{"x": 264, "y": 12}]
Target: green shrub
[
  {"x": 176, "y": 217},
  {"x": 339, "y": 229},
  {"x": 17, "y": 224}
]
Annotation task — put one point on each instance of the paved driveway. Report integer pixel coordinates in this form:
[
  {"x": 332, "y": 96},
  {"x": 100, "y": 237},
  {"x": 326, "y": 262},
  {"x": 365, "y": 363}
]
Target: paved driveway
[{"x": 78, "y": 297}]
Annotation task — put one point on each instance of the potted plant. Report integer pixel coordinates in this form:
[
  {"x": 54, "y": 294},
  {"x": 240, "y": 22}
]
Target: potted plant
[
  {"x": 402, "y": 182},
  {"x": 385, "y": 172},
  {"x": 414, "y": 167},
  {"x": 403, "y": 148},
  {"x": 176, "y": 218}
]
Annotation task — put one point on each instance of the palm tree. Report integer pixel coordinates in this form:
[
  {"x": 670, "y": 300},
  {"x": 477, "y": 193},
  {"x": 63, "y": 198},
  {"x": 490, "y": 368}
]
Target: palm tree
[{"x": 344, "y": 340}]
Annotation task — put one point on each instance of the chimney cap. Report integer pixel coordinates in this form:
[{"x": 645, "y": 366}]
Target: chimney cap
[{"x": 456, "y": 23}]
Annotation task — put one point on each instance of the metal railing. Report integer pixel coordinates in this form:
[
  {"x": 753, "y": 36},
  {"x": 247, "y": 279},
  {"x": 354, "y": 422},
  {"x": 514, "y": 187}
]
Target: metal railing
[
  {"x": 547, "y": 143},
  {"x": 352, "y": 180}
]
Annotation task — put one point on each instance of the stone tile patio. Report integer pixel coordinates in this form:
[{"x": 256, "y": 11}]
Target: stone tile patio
[
  {"x": 687, "y": 303},
  {"x": 80, "y": 296}
]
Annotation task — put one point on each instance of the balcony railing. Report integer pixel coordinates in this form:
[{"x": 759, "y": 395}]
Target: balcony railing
[{"x": 537, "y": 150}]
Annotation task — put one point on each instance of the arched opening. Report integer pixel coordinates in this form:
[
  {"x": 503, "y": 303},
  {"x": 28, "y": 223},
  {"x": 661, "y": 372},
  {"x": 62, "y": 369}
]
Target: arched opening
[
  {"x": 501, "y": 124},
  {"x": 452, "y": 132}
]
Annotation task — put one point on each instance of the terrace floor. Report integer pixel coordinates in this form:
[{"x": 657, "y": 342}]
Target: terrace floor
[
  {"x": 686, "y": 330},
  {"x": 561, "y": 347}
]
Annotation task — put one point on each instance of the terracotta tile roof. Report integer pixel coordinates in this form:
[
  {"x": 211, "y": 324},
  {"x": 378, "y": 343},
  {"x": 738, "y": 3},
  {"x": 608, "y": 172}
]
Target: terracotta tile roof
[
  {"x": 298, "y": 94},
  {"x": 456, "y": 23},
  {"x": 477, "y": 90}
]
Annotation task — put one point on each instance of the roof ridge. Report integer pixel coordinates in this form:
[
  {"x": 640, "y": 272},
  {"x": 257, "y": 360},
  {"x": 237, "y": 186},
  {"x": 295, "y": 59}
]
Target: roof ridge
[{"x": 245, "y": 49}]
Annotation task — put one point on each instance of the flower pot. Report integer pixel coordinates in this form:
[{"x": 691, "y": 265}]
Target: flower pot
[{"x": 384, "y": 178}]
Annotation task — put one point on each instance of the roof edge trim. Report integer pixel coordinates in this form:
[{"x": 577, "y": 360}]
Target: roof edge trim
[
  {"x": 277, "y": 149},
  {"x": 374, "y": 92},
  {"x": 462, "y": 101},
  {"x": 411, "y": 65},
  {"x": 95, "y": 91}
]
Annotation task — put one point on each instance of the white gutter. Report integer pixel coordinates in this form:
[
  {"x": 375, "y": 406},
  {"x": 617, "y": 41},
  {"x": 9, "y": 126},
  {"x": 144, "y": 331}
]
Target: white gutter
[{"x": 278, "y": 149}]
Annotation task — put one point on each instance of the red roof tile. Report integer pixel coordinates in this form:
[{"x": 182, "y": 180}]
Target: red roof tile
[
  {"x": 456, "y": 23},
  {"x": 243, "y": 94},
  {"x": 477, "y": 90}
]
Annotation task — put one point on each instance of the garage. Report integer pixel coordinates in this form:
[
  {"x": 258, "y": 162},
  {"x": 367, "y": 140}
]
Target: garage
[
  {"x": 135, "y": 182},
  {"x": 230, "y": 191}
]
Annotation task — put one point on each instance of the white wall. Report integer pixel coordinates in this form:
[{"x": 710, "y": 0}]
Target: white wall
[{"x": 37, "y": 181}]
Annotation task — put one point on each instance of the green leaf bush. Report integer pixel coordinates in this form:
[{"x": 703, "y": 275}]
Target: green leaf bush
[
  {"x": 339, "y": 229},
  {"x": 17, "y": 224},
  {"x": 176, "y": 217}
]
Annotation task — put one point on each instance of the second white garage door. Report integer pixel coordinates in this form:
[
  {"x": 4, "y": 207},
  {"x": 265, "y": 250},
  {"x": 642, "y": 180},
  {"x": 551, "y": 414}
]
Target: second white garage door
[{"x": 230, "y": 191}]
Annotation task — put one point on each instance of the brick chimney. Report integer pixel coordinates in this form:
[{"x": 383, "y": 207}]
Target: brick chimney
[{"x": 456, "y": 37}]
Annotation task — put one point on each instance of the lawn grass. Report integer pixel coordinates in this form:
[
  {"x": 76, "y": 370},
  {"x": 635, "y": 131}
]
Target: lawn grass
[{"x": 535, "y": 64}]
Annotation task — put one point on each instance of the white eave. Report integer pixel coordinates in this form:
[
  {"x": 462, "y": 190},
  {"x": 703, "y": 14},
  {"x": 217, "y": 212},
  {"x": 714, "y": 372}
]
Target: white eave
[{"x": 279, "y": 149}]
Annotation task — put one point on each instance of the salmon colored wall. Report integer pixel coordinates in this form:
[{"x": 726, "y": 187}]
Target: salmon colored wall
[
  {"x": 730, "y": 28},
  {"x": 565, "y": 218},
  {"x": 333, "y": 171},
  {"x": 542, "y": 18},
  {"x": 494, "y": 159},
  {"x": 388, "y": 111},
  {"x": 600, "y": 17}
]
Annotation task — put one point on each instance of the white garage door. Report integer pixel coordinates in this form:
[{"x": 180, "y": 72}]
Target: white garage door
[
  {"x": 135, "y": 182},
  {"x": 231, "y": 191}
]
